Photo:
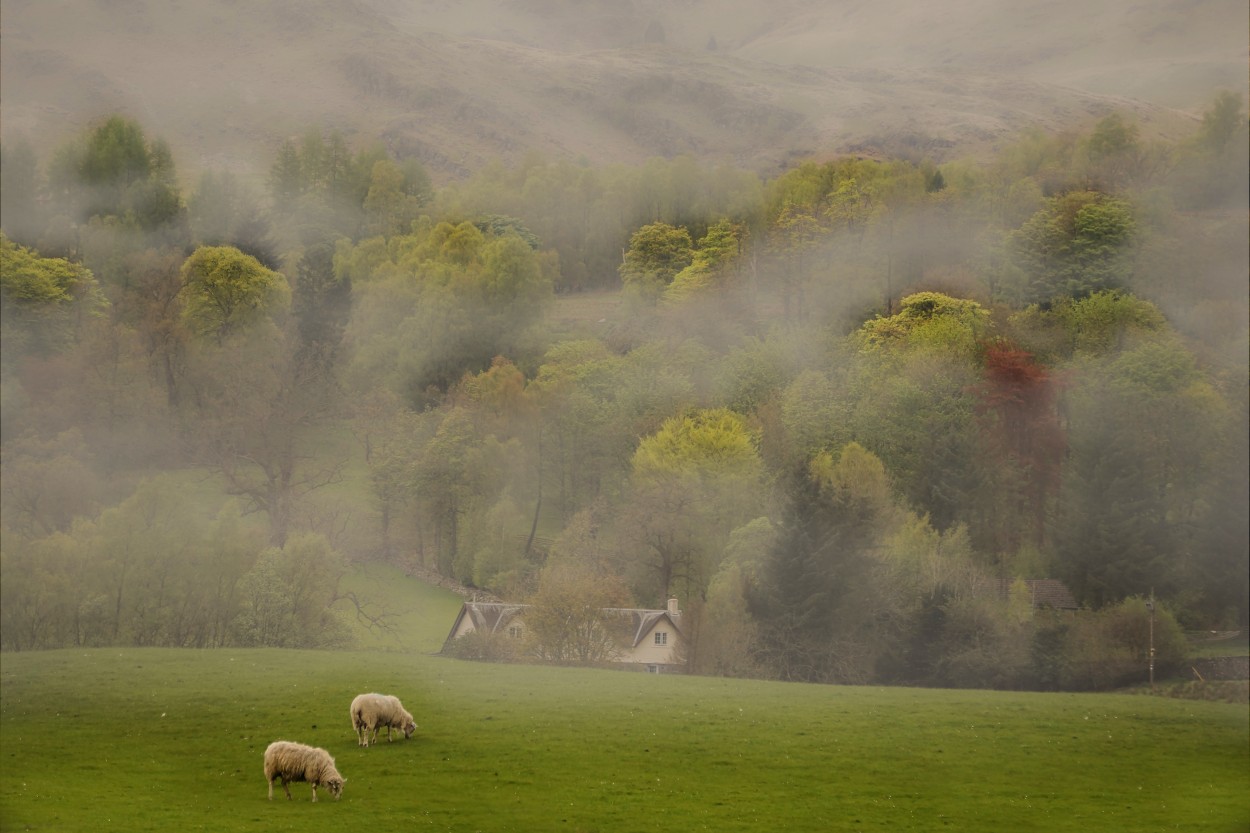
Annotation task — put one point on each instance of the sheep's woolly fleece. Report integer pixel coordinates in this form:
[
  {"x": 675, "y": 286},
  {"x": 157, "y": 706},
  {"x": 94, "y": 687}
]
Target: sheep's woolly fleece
[
  {"x": 371, "y": 712},
  {"x": 296, "y": 762}
]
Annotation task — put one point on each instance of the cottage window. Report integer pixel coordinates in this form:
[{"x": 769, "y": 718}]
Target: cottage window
[
  {"x": 661, "y": 637},
  {"x": 514, "y": 631}
]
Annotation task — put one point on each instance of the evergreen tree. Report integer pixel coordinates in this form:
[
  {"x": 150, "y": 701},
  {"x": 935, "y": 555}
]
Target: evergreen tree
[{"x": 321, "y": 303}]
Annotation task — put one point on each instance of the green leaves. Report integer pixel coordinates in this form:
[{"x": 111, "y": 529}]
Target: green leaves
[
  {"x": 40, "y": 296},
  {"x": 928, "y": 321},
  {"x": 442, "y": 301},
  {"x": 717, "y": 253},
  {"x": 657, "y": 252},
  {"x": 287, "y": 597},
  {"x": 1076, "y": 244},
  {"x": 709, "y": 443},
  {"x": 32, "y": 281},
  {"x": 113, "y": 171},
  {"x": 225, "y": 290}
]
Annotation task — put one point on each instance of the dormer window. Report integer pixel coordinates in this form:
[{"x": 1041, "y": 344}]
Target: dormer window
[
  {"x": 661, "y": 637},
  {"x": 514, "y": 631}
]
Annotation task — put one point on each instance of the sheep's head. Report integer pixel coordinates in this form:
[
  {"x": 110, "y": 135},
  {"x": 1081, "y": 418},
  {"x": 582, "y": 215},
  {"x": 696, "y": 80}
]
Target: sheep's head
[
  {"x": 410, "y": 726},
  {"x": 335, "y": 785}
]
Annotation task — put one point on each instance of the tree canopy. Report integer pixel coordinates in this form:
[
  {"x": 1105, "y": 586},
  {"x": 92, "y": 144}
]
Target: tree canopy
[{"x": 846, "y": 413}]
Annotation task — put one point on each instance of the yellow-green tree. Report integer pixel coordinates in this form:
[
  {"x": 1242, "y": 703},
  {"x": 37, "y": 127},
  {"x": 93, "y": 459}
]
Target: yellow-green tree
[
  {"x": 44, "y": 301},
  {"x": 225, "y": 290},
  {"x": 693, "y": 482},
  {"x": 656, "y": 254}
]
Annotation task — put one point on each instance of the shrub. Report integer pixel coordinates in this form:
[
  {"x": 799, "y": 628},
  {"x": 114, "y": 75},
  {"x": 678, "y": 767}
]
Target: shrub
[{"x": 483, "y": 646}]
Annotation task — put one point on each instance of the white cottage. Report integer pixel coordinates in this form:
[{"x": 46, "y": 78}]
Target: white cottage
[{"x": 650, "y": 640}]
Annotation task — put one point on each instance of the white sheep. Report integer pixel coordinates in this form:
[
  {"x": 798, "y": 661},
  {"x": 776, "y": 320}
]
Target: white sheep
[
  {"x": 371, "y": 712},
  {"x": 297, "y": 762}
]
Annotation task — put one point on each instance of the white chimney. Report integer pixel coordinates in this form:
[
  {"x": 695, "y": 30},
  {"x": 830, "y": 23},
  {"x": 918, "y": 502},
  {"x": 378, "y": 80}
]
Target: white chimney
[{"x": 672, "y": 608}]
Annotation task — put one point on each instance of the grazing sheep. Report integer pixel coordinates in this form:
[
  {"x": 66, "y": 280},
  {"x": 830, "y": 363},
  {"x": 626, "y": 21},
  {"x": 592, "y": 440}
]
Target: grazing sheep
[
  {"x": 371, "y": 712},
  {"x": 297, "y": 762}
]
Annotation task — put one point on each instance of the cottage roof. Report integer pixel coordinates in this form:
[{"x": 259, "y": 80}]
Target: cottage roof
[
  {"x": 491, "y": 617},
  {"x": 643, "y": 621},
  {"x": 485, "y": 616}
]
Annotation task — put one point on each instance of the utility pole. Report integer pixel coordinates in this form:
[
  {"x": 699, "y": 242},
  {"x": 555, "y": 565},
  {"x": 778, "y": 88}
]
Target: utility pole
[{"x": 1150, "y": 605}]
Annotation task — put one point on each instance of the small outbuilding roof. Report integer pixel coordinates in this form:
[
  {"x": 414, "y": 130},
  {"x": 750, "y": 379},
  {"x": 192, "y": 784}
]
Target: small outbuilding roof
[{"x": 1043, "y": 592}]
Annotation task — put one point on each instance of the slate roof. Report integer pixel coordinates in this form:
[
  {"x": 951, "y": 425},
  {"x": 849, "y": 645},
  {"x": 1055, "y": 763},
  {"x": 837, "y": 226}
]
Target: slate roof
[
  {"x": 493, "y": 617},
  {"x": 641, "y": 621},
  {"x": 1045, "y": 592},
  {"x": 486, "y": 616}
]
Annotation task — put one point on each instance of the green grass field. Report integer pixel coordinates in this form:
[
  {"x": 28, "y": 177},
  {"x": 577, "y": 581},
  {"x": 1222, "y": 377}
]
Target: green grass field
[{"x": 171, "y": 740}]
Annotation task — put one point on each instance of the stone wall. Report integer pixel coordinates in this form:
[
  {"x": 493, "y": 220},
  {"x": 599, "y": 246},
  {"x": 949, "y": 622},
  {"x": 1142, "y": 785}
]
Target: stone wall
[{"x": 1223, "y": 668}]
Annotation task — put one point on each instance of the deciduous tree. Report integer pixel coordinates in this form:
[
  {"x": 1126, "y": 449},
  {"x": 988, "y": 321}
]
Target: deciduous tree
[
  {"x": 656, "y": 253},
  {"x": 566, "y": 615},
  {"x": 225, "y": 290}
]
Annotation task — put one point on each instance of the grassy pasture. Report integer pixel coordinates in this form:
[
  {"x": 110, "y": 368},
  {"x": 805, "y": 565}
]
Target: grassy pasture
[
  {"x": 418, "y": 615},
  {"x": 159, "y": 740}
]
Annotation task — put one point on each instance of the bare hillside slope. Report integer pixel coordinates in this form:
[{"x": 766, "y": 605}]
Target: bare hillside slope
[{"x": 462, "y": 83}]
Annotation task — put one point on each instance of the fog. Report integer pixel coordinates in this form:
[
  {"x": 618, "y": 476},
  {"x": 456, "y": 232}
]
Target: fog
[
  {"x": 461, "y": 84},
  {"x": 867, "y": 310}
]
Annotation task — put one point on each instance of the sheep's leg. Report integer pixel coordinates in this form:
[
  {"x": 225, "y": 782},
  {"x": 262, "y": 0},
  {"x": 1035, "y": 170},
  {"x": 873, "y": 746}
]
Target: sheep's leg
[
  {"x": 271, "y": 789},
  {"x": 286, "y": 789},
  {"x": 314, "y": 792},
  {"x": 388, "y": 733}
]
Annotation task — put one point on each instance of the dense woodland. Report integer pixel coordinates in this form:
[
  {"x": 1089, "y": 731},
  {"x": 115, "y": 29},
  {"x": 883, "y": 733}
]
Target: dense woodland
[{"x": 838, "y": 412}]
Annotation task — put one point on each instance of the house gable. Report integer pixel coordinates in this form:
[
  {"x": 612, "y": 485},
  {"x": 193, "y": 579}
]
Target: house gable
[{"x": 488, "y": 617}]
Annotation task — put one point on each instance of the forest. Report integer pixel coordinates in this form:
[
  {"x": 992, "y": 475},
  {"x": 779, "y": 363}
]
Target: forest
[{"x": 842, "y": 412}]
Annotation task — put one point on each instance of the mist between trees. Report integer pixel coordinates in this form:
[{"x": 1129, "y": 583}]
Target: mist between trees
[{"x": 842, "y": 413}]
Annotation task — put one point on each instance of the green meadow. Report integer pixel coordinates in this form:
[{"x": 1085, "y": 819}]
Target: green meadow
[{"x": 172, "y": 740}]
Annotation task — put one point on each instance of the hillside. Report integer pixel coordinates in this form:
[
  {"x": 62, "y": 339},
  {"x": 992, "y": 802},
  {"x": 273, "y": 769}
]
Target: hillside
[{"x": 460, "y": 84}]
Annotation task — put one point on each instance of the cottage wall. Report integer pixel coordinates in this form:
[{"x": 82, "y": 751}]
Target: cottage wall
[
  {"x": 649, "y": 653},
  {"x": 463, "y": 627}
]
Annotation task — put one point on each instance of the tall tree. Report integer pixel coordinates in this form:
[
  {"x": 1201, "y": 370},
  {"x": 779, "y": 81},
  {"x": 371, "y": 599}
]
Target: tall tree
[
  {"x": 321, "y": 303},
  {"x": 286, "y": 178},
  {"x": 824, "y": 610},
  {"x": 258, "y": 406},
  {"x": 21, "y": 213},
  {"x": 1018, "y": 407}
]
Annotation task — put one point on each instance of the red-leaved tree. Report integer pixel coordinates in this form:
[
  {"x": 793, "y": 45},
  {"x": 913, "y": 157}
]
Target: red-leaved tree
[{"x": 1018, "y": 408}]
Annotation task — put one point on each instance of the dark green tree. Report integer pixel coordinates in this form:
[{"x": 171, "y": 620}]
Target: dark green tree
[
  {"x": 321, "y": 304},
  {"x": 824, "y": 612},
  {"x": 286, "y": 178},
  {"x": 1077, "y": 244},
  {"x": 20, "y": 211}
]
